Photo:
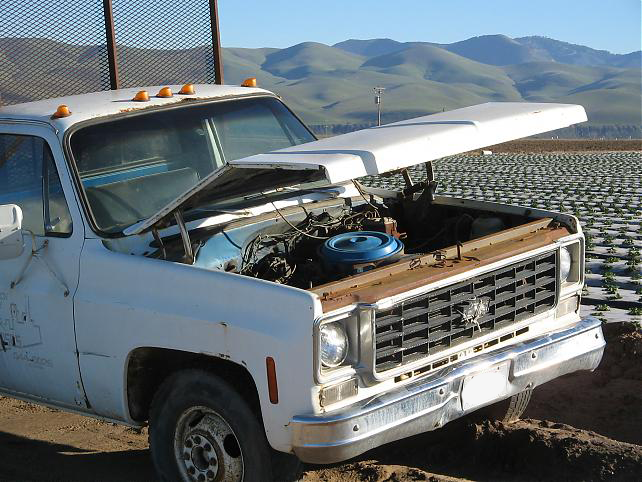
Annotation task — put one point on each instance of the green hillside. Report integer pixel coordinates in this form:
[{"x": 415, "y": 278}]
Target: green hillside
[
  {"x": 332, "y": 85},
  {"x": 309, "y": 58},
  {"x": 497, "y": 50}
]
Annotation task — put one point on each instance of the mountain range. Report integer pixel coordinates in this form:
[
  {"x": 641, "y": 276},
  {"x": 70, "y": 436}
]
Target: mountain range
[{"x": 332, "y": 85}]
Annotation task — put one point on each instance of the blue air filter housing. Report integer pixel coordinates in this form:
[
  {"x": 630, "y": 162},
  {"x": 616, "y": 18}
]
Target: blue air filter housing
[{"x": 360, "y": 247}]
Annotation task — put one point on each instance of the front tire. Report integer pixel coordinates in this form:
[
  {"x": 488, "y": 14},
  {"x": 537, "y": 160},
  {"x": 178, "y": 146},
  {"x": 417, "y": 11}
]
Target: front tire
[
  {"x": 509, "y": 410},
  {"x": 201, "y": 430}
]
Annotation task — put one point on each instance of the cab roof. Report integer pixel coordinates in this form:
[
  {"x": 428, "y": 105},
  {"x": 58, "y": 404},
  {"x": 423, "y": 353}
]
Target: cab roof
[{"x": 98, "y": 104}]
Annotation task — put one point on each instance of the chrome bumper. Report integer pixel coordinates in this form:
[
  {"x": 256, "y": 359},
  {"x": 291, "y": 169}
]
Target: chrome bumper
[{"x": 432, "y": 401}]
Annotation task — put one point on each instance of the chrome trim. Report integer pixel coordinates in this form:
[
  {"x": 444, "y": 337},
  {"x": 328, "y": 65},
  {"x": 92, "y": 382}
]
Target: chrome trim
[
  {"x": 433, "y": 400},
  {"x": 570, "y": 288}
]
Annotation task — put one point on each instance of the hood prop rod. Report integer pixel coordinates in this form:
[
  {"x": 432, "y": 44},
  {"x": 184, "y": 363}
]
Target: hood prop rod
[
  {"x": 431, "y": 184},
  {"x": 187, "y": 243},
  {"x": 159, "y": 241}
]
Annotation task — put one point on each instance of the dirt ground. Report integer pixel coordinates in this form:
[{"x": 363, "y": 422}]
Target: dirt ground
[
  {"x": 566, "y": 145},
  {"x": 585, "y": 426}
]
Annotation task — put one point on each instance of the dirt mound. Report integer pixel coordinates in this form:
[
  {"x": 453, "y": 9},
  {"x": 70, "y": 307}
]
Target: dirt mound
[
  {"x": 607, "y": 401},
  {"x": 532, "y": 449},
  {"x": 623, "y": 354},
  {"x": 524, "y": 451},
  {"x": 372, "y": 471}
]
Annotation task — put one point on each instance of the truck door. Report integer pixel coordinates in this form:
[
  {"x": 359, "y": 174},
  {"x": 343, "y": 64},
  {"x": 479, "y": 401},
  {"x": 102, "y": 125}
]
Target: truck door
[{"x": 38, "y": 356}]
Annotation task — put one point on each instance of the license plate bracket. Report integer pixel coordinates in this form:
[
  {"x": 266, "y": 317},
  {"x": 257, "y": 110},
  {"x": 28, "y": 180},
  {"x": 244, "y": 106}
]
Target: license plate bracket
[{"x": 485, "y": 386}]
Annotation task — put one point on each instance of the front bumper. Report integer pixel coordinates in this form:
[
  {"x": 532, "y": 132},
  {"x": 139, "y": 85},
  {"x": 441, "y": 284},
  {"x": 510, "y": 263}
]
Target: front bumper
[{"x": 432, "y": 401}]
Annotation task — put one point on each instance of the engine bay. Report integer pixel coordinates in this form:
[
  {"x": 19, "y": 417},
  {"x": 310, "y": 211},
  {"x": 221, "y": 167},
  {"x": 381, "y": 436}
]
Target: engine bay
[{"x": 312, "y": 244}]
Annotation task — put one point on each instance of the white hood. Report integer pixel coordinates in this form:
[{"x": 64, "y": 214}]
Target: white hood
[{"x": 414, "y": 141}]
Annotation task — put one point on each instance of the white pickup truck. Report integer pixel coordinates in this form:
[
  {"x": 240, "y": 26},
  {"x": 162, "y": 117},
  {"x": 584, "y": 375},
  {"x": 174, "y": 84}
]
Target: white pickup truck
[{"x": 192, "y": 258}]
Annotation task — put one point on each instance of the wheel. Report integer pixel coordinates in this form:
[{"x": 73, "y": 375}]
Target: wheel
[
  {"x": 201, "y": 429},
  {"x": 509, "y": 410}
]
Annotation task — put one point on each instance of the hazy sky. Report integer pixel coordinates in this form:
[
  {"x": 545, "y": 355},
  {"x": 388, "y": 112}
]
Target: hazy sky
[{"x": 602, "y": 24}]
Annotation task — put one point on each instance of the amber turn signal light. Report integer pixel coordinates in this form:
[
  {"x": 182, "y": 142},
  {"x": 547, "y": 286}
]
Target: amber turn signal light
[
  {"x": 62, "y": 111},
  {"x": 273, "y": 388},
  {"x": 141, "y": 96},
  {"x": 249, "y": 82},
  {"x": 165, "y": 92},
  {"x": 187, "y": 89}
]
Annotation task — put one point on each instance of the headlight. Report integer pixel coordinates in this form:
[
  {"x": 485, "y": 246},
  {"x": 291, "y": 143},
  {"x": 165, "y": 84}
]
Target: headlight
[
  {"x": 565, "y": 264},
  {"x": 334, "y": 344}
]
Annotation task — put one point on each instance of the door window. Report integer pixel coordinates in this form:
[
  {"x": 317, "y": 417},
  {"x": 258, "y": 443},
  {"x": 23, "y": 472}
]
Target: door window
[{"x": 28, "y": 178}]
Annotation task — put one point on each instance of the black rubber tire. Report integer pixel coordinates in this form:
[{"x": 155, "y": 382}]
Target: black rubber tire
[
  {"x": 193, "y": 388},
  {"x": 509, "y": 410},
  {"x": 286, "y": 467}
]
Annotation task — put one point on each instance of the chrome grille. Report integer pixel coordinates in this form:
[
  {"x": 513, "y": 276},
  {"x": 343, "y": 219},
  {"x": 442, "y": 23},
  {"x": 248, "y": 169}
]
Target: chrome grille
[{"x": 425, "y": 325}]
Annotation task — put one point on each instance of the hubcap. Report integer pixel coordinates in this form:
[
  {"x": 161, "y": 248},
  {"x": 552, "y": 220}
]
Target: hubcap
[{"x": 206, "y": 447}]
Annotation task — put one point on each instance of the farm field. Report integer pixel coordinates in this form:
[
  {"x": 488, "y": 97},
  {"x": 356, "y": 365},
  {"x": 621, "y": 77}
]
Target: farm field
[
  {"x": 603, "y": 189},
  {"x": 585, "y": 426}
]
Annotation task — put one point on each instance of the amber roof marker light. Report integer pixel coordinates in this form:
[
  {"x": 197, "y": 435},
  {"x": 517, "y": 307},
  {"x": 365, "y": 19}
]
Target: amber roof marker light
[
  {"x": 187, "y": 89},
  {"x": 61, "y": 111},
  {"x": 141, "y": 96},
  {"x": 249, "y": 82},
  {"x": 165, "y": 93}
]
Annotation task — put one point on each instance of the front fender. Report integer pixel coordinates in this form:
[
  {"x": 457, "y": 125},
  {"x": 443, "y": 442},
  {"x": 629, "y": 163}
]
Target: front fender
[{"x": 127, "y": 302}]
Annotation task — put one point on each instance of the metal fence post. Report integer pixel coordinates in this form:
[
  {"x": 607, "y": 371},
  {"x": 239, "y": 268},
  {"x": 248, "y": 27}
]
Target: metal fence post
[
  {"x": 216, "y": 42},
  {"x": 110, "y": 34}
]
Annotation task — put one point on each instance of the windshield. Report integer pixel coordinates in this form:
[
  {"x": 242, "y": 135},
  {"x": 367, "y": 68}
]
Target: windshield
[{"x": 133, "y": 166}]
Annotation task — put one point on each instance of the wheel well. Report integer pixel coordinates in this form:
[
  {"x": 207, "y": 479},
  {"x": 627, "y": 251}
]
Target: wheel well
[{"x": 149, "y": 367}]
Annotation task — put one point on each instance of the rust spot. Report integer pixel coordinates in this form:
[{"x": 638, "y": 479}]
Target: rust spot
[{"x": 415, "y": 263}]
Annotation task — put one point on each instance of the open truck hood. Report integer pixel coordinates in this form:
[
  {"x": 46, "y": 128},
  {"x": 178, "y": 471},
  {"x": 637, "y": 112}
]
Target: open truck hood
[{"x": 375, "y": 151}]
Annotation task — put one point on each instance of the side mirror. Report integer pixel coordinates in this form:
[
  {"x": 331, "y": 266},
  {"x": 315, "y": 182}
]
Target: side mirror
[{"x": 11, "y": 243}]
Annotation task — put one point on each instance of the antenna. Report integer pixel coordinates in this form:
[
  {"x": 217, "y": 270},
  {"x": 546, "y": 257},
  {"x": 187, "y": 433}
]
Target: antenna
[{"x": 378, "y": 94}]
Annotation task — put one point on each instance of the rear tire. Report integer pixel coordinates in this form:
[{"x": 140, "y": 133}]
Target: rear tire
[
  {"x": 202, "y": 430},
  {"x": 509, "y": 410}
]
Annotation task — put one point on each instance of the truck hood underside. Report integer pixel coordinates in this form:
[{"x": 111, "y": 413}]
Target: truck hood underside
[{"x": 375, "y": 151}]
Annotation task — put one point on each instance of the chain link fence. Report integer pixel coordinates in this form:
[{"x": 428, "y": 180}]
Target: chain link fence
[
  {"x": 49, "y": 49},
  {"x": 163, "y": 42},
  {"x": 55, "y": 48}
]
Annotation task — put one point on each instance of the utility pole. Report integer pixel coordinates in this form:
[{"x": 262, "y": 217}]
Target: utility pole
[{"x": 378, "y": 94}]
